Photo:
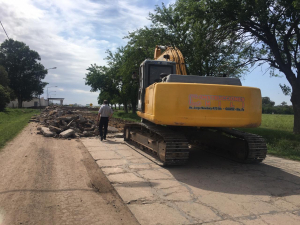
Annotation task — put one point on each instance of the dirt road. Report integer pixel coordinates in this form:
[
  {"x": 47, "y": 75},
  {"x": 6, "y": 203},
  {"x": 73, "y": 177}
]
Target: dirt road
[{"x": 51, "y": 181}]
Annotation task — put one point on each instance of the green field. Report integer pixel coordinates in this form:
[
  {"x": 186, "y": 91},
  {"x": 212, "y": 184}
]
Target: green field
[
  {"x": 278, "y": 122},
  {"x": 276, "y": 129},
  {"x": 12, "y": 121}
]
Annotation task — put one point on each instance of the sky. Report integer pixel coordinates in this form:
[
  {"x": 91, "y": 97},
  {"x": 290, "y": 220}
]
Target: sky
[{"x": 73, "y": 34}]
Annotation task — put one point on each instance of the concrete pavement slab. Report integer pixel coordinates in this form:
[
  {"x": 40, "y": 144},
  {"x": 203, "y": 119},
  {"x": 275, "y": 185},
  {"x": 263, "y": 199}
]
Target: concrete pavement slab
[
  {"x": 124, "y": 178},
  {"x": 139, "y": 160},
  {"x": 113, "y": 170},
  {"x": 281, "y": 218},
  {"x": 209, "y": 189},
  {"x": 105, "y": 155},
  {"x": 224, "y": 222},
  {"x": 179, "y": 193},
  {"x": 293, "y": 199},
  {"x": 157, "y": 213},
  {"x": 165, "y": 184},
  {"x": 133, "y": 194},
  {"x": 129, "y": 153},
  {"x": 198, "y": 212},
  {"x": 154, "y": 174},
  {"x": 111, "y": 163},
  {"x": 97, "y": 149},
  {"x": 140, "y": 166},
  {"x": 90, "y": 142}
]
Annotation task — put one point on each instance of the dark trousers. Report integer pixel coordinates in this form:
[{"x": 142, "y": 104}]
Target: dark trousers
[{"x": 103, "y": 123}]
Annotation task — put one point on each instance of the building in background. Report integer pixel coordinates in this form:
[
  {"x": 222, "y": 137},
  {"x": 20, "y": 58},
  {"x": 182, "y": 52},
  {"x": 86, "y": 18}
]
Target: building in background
[
  {"x": 35, "y": 102},
  {"x": 51, "y": 101}
]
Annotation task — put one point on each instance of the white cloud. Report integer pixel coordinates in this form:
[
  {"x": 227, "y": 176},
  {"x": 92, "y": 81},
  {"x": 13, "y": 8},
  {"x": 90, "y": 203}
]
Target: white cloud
[
  {"x": 85, "y": 92},
  {"x": 72, "y": 34}
]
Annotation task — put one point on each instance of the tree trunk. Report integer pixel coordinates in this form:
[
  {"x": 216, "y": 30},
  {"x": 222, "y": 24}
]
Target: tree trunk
[
  {"x": 119, "y": 106},
  {"x": 133, "y": 109},
  {"x": 295, "y": 99},
  {"x": 20, "y": 102},
  {"x": 125, "y": 107},
  {"x": 133, "y": 104}
]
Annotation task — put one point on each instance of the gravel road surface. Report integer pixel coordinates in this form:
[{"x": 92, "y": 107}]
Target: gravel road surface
[{"x": 52, "y": 181}]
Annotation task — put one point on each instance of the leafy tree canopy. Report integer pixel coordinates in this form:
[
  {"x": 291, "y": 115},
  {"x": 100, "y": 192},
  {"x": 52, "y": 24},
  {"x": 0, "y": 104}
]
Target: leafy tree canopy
[
  {"x": 4, "y": 97},
  {"x": 267, "y": 101},
  {"x": 207, "y": 52},
  {"x": 283, "y": 103},
  {"x": 6, "y": 93},
  {"x": 4, "y": 81},
  {"x": 24, "y": 69}
]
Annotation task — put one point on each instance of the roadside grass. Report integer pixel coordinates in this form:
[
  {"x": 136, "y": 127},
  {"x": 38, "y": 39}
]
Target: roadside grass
[
  {"x": 12, "y": 121},
  {"x": 120, "y": 114}
]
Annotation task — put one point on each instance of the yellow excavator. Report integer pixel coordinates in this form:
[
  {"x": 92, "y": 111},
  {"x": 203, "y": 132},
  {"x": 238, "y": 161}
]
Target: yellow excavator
[{"x": 179, "y": 111}]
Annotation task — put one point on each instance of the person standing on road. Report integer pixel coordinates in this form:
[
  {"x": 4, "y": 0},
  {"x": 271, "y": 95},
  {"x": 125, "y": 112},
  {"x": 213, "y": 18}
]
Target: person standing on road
[{"x": 104, "y": 114}]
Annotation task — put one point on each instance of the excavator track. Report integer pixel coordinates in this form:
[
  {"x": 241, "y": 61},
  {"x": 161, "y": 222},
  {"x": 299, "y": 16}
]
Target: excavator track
[
  {"x": 231, "y": 143},
  {"x": 256, "y": 145},
  {"x": 169, "y": 147}
]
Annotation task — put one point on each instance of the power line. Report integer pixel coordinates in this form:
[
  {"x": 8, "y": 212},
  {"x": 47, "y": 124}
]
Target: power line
[{"x": 4, "y": 30}]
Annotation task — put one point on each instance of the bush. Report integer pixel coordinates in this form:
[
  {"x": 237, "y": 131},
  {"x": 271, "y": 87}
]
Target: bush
[
  {"x": 267, "y": 109},
  {"x": 4, "y": 97}
]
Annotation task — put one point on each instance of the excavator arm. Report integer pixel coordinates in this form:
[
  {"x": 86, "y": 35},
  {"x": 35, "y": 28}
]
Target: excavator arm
[{"x": 164, "y": 53}]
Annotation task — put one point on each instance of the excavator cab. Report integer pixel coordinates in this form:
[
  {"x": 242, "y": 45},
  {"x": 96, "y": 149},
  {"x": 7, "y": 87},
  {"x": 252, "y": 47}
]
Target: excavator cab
[{"x": 150, "y": 72}]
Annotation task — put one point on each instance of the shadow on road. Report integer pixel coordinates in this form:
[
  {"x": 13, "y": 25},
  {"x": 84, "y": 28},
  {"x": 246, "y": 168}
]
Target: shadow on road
[
  {"x": 107, "y": 141},
  {"x": 210, "y": 172}
]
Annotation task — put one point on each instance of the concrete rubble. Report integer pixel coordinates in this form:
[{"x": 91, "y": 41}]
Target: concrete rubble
[
  {"x": 60, "y": 122},
  {"x": 46, "y": 132}
]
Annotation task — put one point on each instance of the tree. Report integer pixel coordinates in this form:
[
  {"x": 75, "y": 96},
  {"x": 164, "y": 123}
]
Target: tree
[
  {"x": 104, "y": 96},
  {"x": 115, "y": 81},
  {"x": 206, "y": 52},
  {"x": 266, "y": 101},
  {"x": 4, "y": 97},
  {"x": 4, "y": 81},
  {"x": 272, "y": 29},
  {"x": 6, "y": 94},
  {"x": 105, "y": 80},
  {"x": 25, "y": 72},
  {"x": 283, "y": 103}
]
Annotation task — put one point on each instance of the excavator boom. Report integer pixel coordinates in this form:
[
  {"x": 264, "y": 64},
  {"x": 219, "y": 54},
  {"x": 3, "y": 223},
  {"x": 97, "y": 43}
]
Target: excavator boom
[{"x": 171, "y": 54}]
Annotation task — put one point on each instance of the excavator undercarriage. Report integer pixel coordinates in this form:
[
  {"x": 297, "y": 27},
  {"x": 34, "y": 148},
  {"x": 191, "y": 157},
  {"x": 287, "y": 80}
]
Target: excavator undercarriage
[{"x": 171, "y": 144}]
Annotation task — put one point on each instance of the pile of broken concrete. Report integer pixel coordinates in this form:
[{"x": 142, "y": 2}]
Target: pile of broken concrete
[{"x": 63, "y": 123}]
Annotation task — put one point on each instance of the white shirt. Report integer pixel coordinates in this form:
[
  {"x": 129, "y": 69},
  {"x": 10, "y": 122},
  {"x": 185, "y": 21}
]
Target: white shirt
[{"x": 105, "y": 111}]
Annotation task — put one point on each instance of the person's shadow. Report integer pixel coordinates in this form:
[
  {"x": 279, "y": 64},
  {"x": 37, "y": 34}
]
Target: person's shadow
[{"x": 108, "y": 141}]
